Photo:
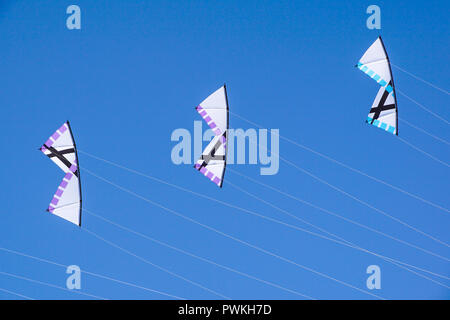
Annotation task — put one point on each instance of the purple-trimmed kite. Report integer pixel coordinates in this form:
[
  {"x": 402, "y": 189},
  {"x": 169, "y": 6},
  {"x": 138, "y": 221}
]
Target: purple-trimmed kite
[
  {"x": 62, "y": 150},
  {"x": 214, "y": 110}
]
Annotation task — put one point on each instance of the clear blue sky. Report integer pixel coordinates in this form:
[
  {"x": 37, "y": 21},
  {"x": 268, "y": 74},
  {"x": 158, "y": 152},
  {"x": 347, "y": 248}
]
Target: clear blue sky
[{"x": 133, "y": 74}]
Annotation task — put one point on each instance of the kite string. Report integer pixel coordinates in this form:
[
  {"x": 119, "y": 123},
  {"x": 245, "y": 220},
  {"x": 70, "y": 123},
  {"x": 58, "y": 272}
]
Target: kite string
[
  {"x": 393, "y": 261},
  {"x": 424, "y": 131},
  {"x": 422, "y": 106},
  {"x": 267, "y": 218},
  {"x": 230, "y": 236},
  {"x": 195, "y": 256},
  {"x": 421, "y": 79},
  {"x": 334, "y": 214},
  {"x": 423, "y": 152},
  {"x": 349, "y": 167},
  {"x": 339, "y": 216},
  {"x": 346, "y": 242},
  {"x": 50, "y": 285},
  {"x": 16, "y": 294},
  {"x": 89, "y": 273},
  {"x": 151, "y": 263},
  {"x": 356, "y": 198}
]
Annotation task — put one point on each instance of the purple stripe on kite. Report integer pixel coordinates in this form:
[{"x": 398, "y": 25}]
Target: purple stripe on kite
[
  {"x": 212, "y": 125},
  {"x": 216, "y": 180},
  {"x": 48, "y": 143},
  {"x": 203, "y": 113},
  {"x": 59, "y": 192},
  {"x": 68, "y": 175},
  {"x": 217, "y": 132},
  {"x": 54, "y": 201},
  {"x": 210, "y": 175},
  {"x": 197, "y": 166},
  {"x": 50, "y": 209},
  {"x": 203, "y": 170},
  {"x": 63, "y": 128},
  {"x": 199, "y": 107},
  {"x": 63, "y": 184},
  {"x": 223, "y": 139},
  {"x": 55, "y": 135},
  {"x": 43, "y": 149},
  {"x": 208, "y": 119},
  {"x": 73, "y": 168}
]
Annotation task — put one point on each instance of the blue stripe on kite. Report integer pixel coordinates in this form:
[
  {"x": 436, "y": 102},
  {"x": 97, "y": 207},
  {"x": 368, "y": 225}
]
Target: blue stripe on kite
[
  {"x": 381, "y": 125},
  {"x": 375, "y": 77}
]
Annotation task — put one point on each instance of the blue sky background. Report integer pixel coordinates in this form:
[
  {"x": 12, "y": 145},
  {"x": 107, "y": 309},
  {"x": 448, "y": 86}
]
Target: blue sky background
[{"x": 133, "y": 74}]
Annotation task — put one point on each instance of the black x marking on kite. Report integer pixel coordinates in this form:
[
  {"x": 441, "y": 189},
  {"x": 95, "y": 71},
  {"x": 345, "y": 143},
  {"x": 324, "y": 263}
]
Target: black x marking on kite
[
  {"x": 61, "y": 157},
  {"x": 381, "y": 107},
  {"x": 212, "y": 155}
]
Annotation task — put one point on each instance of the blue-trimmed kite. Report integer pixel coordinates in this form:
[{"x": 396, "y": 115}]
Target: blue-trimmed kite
[
  {"x": 375, "y": 63},
  {"x": 214, "y": 110},
  {"x": 62, "y": 150}
]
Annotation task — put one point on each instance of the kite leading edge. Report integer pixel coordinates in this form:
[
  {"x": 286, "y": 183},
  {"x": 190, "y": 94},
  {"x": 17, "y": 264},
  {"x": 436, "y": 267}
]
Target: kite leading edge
[
  {"x": 214, "y": 110},
  {"x": 62, "y": 150},
  {"x": 375, "y": 63}
]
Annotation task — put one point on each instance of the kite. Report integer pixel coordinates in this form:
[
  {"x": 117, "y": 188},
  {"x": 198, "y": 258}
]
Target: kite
[
  {"x": 214, "y": 110},
  {"x": 375, "y": 63},
  {"x": 62, "y": 150}
]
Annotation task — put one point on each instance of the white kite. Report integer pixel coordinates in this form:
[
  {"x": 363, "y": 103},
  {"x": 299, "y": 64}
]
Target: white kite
[
  {"x": 214, "y": 110},
  {"x": 375, "y": 63},
  {"x": 61, "y": 149}
]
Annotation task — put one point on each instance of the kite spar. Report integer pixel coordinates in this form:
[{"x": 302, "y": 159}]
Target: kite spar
[
  {"x": 62, "y": 150},
  {"x": 214, "y": 110},
  {"x": 375, "y": 63}
]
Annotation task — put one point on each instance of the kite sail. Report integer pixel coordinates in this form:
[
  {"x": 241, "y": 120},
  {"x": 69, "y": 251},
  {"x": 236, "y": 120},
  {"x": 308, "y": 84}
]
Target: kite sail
[
  {"x": 375, "y": 63},
  {"x": 214, "y": 110},
  {"x": 61, "y": 149}
]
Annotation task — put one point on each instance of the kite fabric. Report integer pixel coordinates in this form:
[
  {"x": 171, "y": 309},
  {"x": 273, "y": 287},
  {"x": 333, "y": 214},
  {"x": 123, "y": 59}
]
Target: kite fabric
[
  {"x": 375, "y": 63},
  {"x": 214, "y": 110},
  {"x": 62, "y": 150}
]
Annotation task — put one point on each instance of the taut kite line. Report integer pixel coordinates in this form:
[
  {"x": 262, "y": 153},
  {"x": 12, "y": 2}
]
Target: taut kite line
[{"x": 62, "y": 150}]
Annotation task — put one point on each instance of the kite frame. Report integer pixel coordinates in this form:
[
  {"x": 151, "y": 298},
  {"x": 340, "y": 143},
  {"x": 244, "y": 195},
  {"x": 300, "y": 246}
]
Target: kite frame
[
  {"x": 226, "y": 134},
  {"x": 393, "y": 85},
  {"x": 78, "y": 168}
]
